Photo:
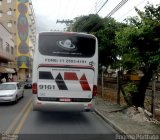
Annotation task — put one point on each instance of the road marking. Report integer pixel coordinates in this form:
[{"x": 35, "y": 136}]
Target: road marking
[
  {"x": 19, "y": 127},
  {"x": 8, "y": 131}
]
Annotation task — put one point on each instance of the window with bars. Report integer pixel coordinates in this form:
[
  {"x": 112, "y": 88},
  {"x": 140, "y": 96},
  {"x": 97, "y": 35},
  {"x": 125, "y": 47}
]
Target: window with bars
[
  {"x": 12, "y": 50},
  {"x": 9, "y": 12},
  {"x": 9, "y": 24},
  {"x": 9, "y": 1},
  {"x": 1, "y": 44},
  {"x": 1, "y": 13},
  {"x": 7, "y": 47}
]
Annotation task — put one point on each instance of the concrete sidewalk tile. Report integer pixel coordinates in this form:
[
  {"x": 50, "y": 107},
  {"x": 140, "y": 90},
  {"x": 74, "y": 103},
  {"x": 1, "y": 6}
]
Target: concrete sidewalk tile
[
  {"x": 110, "y": 122},
  {"x": 122, "y": 122}
]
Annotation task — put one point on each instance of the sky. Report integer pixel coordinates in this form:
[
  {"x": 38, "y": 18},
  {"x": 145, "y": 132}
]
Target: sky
[{"x": 47, "y": 12}]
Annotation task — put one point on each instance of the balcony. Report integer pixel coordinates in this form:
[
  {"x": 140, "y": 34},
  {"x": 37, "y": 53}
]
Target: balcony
[{"x": 6, "y": 56}]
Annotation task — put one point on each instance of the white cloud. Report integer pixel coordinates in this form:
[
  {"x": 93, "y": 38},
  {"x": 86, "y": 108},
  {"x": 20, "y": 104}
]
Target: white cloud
[{"x": 48, "y": 11}]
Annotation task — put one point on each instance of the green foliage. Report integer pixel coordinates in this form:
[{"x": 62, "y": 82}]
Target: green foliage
[
  {"x": 106, "y": 41},
  {"x": 139, "y": 48},
  {"x": 105, "y": 30},
  {"x": 140, "y": 40},
  {"x": 137, "y": 42},
  {"x": 87, "y": 23},
  {"x": 130, "y": 89}
]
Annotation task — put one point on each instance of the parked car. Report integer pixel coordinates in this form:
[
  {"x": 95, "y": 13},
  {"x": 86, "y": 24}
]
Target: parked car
[
  {"x": 11, "y": 92},
  {"x": 28, "y": 83}
]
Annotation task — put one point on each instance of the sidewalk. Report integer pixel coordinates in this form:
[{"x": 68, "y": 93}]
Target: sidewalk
[{"x": 123, "y": 121}]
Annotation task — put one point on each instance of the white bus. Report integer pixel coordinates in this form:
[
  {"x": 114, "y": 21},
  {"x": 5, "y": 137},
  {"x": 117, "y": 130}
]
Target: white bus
[{"x": 65, "y": 70}]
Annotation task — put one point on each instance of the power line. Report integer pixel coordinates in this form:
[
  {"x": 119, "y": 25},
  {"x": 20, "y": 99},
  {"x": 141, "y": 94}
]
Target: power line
[
  {"x": 66, "y": 8},
  {"x": 102, "y": 6},
  {"x": 98, "y": 3},
  {"x": 131, "y": 9},
  {"x": 58, "y": 5},
  {"x": 74, "y": 7},
  {"x": 111, "y": 13},
  {"x": 93, "y": 8},
  {"x": 97, "y": 11},
  {"x": 117, "y": 8}
]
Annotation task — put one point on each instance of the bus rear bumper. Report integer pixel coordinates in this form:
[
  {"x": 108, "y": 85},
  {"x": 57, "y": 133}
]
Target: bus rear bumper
[{"x": 62, "y": 106}]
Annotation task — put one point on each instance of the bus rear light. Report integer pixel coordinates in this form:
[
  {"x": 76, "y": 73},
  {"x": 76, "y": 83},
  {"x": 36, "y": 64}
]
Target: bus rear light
[
  {"x": 94, "y": 90},
  {"x": 39, "y": 103},
  {"x": 90, "y": 105},
  {"x": 34, "y": 88}
]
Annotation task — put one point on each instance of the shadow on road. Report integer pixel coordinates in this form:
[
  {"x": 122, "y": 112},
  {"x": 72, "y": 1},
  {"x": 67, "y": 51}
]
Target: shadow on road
[{"x": 62, "y": 117}]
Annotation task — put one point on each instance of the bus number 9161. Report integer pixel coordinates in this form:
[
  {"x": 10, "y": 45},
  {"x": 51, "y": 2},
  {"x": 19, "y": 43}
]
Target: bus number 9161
[{"x": 47, "y": 87}]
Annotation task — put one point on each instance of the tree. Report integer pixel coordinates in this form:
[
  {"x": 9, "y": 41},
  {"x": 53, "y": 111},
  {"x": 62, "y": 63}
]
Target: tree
[
  {"x": 139, "y": 46},
  {"x": 105, "y": 30},
  {"x": 87, "y": 23},
  {"x": 106, "y": 41}
]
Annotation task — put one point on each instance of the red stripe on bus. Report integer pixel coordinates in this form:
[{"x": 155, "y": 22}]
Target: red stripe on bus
[
  {"x": 84, "y": 83},
  {"x": 70, "y": 76},
  {"x": 83, "y": 78}
]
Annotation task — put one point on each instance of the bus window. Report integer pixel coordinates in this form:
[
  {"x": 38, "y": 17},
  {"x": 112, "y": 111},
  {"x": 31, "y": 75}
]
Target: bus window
[{"x": 64, "y": 46}]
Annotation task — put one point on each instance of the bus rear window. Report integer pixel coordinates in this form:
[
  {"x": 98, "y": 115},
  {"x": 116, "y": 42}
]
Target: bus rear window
[{"x": 67, "y": 46}]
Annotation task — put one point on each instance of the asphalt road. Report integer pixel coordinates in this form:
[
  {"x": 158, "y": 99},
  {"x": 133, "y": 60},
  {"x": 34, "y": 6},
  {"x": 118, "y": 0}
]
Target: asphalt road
[
  {"x": 20, "y": 119},
  {"x": 9, "y": 112}
]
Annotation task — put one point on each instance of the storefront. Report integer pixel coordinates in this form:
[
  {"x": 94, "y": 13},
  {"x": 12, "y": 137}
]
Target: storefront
[{"x": 7, "y": 73}]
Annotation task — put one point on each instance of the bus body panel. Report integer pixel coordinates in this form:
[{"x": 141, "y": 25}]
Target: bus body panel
[{"x": 64, "y": 83}]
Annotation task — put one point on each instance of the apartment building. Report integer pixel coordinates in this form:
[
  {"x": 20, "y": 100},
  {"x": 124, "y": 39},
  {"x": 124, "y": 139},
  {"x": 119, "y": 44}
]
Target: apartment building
[{"x": 18, "y": 22}]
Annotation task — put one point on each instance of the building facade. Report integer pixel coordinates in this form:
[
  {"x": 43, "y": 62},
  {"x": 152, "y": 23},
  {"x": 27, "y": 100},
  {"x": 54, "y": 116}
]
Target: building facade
[
  {"x": 7, "y": 53},
  {"x": 17, "y": 17}
]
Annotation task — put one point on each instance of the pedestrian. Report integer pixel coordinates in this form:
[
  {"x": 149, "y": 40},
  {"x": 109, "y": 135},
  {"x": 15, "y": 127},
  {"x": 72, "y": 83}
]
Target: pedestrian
[
  {"x": 9, "y": 80},
  {"x": 3, "y": 80},
  {"x": 14, "y": 78}
]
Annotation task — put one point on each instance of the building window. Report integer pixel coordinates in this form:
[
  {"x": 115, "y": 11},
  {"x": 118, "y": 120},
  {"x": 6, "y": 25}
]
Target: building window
[
  {"x": 1, "y": 13},
  {"x": 9, "y": 13},
  {"x": 9, "y": 24},
  {"x": 9, "y": 1},
  {"x": 1, "y": 43},
  {"x": 7, "y": 47},
  {"x": 12, "y": 50}
]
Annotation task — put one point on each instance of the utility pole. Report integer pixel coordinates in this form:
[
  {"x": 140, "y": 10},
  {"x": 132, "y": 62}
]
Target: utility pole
[
  {"x": 103, "y": 70},
  {"x": 153, "y": 93},
  {"x": 67, "y": 22}
]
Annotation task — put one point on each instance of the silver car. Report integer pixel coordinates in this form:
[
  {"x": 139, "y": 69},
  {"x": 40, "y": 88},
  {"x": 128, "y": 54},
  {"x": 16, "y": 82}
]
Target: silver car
[{"x": 11, "y": 92}]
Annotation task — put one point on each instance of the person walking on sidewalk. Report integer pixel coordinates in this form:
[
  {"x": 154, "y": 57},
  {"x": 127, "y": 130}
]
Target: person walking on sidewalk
[{"x": 3, "y": 80}]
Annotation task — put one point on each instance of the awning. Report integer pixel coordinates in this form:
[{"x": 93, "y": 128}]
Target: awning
[
  {"x": 6, "y": 70},
  {"x": 2, "y": 70},
  {"x": 9, "y": 70}
]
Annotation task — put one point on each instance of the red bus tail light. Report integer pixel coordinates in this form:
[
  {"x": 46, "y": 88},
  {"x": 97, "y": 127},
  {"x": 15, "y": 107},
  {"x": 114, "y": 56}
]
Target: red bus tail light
[
  {"x": 94, "y": 90},
  {"x": 34, "y": 88}
]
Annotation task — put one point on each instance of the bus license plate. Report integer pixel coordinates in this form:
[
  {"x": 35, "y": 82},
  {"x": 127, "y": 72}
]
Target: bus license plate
[{"x": 65, "y": 100}]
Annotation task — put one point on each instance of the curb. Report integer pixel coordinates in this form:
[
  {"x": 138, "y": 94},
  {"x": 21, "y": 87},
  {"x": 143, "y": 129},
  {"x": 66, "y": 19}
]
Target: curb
[{"x": 117, "y": 128}]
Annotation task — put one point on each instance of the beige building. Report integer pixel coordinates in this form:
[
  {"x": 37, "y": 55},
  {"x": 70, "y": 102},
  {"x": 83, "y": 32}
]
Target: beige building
[
  {"x": 7, "y": 53},
  {"x": 18, "y": 29}
]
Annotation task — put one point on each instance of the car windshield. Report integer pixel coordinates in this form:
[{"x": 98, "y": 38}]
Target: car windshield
[{"x": 7, "y": 87}]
